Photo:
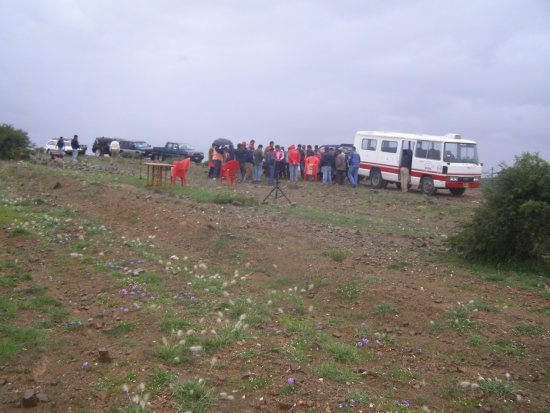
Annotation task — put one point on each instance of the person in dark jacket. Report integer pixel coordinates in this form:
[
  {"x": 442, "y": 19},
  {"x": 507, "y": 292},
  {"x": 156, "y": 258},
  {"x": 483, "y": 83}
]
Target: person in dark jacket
[
  {"x": 240, "y": 155},
  {"x": 327, "y": 163},
  {"x": 75, "y": 147},
  {"x": 270, "y": 162},
  {"x": 258, "y": 163},
  {"x": 248, "y": 164},
  {"x": 405, "y": 169},
  {"x": 340, "y": 166}
]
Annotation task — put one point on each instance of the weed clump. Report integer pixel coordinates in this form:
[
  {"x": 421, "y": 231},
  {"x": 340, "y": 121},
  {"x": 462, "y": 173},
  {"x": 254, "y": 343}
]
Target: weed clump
[{"x": 513, "y": 224}]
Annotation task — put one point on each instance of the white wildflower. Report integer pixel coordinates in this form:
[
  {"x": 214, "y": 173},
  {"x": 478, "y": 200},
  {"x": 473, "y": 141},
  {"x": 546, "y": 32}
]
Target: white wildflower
[{"x": 195, "y": 349}]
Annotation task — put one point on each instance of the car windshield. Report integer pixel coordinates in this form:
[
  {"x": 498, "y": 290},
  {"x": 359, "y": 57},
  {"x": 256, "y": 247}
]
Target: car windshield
[
  {"x": 141, "y": 145},
  {"x": 460, "y": 152}
]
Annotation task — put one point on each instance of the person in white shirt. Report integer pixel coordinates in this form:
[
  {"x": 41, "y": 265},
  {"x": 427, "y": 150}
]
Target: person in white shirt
[{"x": 114, "y": 148}]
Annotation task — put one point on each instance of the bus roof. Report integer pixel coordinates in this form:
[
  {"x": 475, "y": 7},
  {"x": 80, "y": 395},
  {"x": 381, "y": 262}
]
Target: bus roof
[{"x": 450, "y": 137}]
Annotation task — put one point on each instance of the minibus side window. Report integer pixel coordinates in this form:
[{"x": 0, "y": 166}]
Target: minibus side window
[
  {"x": 428, "y": 150},
  {"x": 389, "y": 146},
  {"x": 368, "y": 144}
]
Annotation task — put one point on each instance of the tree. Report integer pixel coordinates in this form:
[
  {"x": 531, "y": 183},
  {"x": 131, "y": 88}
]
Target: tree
[
  {"x": 513, "y": 223},
  {"x": 14, "y": 143}
]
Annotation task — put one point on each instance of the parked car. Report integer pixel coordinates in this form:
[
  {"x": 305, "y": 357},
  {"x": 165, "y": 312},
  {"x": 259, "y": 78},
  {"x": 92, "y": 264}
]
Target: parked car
[
  {"x": 143, "y": 146},
  {"x": 172, "y": 149},
  {"x": 101, "y": 146},
  {"x": 51, "y": 146},
  {"x": 133, "y": 147},
  {"x": 345, "y": 146}
]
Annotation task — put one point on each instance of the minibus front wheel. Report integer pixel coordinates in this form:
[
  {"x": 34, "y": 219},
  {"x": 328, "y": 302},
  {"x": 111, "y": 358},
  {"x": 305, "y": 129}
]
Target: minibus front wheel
[{"x": 427, "y": 186}]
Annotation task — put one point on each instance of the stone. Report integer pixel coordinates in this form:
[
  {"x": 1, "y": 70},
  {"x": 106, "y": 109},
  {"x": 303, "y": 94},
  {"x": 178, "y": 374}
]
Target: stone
[
  {"x": 285, "y": 405},
  {"x": 29, "y": 399},
  {"x": 42, "y": 398},
  {"x": 336, "y": 334},
  {"x": 295, "y": 367},
  {"x": 104, "y": 356}
]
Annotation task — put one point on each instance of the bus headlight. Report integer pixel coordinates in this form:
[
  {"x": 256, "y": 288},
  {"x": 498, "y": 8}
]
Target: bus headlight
[
  {"x": 452, "y": 178},
  {"x": 476, "y": 179}
]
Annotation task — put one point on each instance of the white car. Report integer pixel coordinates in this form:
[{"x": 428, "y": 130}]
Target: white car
[{"x": 52, "y": 146}]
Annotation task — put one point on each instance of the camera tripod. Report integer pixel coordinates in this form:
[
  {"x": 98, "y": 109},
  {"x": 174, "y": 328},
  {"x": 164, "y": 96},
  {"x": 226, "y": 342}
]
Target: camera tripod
[{"x": 276, "y": 189}]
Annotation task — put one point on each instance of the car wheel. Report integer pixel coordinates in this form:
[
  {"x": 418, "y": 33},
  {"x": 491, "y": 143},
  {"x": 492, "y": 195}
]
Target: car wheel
[
  {"x": 427, "y": 186},
  {"x": 457, "y": 191},
  {"x": 376, "y": 181}
]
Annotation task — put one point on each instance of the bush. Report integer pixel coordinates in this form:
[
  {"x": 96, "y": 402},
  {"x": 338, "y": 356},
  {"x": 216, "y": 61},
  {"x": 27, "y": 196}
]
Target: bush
[
  {"x": 14, "y": 143},
  {"x": 514, "y": 221}
]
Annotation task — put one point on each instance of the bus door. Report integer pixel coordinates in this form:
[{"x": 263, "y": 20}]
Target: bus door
[
  {"x": 427, "y": 156},
  {"x": 406, "y": 146}
]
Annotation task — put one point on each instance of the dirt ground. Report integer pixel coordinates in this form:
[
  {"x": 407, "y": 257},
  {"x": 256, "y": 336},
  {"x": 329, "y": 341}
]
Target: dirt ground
[{"x": 272, "y": 250}]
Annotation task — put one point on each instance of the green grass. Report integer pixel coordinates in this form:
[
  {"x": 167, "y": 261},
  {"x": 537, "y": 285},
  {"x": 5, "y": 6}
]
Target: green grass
[
  {"x": 173, "y": 322},
  {"x": 20, "y": 231},
  {"x": 122, "y": 328},
  {"x": 398, "y": 265},
  {"x": 217, "y": 196},
  {"x": 16, "y": 339},
  {"x": 12, "y": 274},
  {"x": 159, "y": 380},
  {"x": 335, "y": 255},
  {"x": 350, "y": 290},
  {"x": 497, "y": 387},
  {"x": 255, "y": 383},
  {"x": 8, "y": 308},
  {"x": 341, "y": 352},
  {"x": 398, "y": 374},
  {"x": 360, "y": 397},
  {"x": 509, "y": 347},
  {"x": 528, "y": 330},
  {"x": 247, "y": 354},
  {"x": 288, "y": 389},
  {"x": 193, "y": 396},
  {"x": 476, "y": 340},
  {"x": 384, "y": 308},
  {"x": 459, "y": 318},
  {"x": 336, "y": 372}
]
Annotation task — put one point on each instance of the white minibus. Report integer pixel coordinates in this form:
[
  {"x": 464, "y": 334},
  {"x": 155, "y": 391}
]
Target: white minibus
[{"x": 447, "y": 161}]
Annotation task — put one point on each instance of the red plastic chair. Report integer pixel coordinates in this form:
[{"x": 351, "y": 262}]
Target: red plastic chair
[
  {"x": 229, "y": 172},
  {"x": 311, "y": 165},
  {"x": 179, "y": 169}
]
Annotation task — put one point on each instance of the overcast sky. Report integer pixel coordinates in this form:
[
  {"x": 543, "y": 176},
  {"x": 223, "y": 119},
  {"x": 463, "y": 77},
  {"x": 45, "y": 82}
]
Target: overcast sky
[{"x": 293, "y": 71}]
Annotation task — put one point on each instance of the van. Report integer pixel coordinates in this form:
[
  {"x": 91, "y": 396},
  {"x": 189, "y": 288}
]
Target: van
[{"x": 438, "y": 162}]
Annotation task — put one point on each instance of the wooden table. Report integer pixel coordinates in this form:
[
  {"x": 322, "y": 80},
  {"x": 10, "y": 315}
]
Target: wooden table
[{"x": 158, "y": 174}]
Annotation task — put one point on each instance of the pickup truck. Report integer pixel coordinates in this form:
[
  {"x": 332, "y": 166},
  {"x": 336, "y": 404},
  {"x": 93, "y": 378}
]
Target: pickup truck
[{"x": 172, "y": 149}]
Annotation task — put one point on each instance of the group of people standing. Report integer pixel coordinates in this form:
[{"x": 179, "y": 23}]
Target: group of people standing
[
  {"x": 279, "y": 163},
  {"x": 75, "y": 146}
]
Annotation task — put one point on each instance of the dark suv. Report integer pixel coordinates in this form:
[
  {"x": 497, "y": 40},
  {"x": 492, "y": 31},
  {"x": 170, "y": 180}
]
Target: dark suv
[
  {"x": 101, "y": 146},
  {"x": 133, "y": 147}
]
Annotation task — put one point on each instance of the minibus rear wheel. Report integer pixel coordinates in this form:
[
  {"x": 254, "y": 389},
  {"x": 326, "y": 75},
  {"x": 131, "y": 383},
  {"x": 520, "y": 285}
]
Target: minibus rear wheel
[{"x": 376, "y": 180}]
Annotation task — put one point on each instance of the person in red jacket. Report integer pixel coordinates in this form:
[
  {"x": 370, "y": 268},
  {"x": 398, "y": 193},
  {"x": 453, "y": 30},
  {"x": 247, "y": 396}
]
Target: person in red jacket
[
  {"x": 279, "y": 161},
  {"x": 293, "y": 163}
]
